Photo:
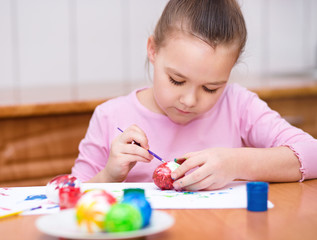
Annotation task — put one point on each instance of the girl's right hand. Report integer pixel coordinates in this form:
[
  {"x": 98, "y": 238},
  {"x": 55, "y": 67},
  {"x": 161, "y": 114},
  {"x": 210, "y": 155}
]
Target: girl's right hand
[{"x": 124, "y": 153}]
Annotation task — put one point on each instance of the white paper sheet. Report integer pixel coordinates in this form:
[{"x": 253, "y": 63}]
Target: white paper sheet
[{"x": 232, "y": 196}]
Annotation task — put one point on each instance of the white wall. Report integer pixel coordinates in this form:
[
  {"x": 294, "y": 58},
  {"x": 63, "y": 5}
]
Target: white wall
[
  {"x": 97, "y": 48},
  {"x": 282, "y": 38}
]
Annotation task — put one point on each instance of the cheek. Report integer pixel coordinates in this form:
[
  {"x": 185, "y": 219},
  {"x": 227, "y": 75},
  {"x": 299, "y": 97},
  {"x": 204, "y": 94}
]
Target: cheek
[
  {"x": 205, "y": 105},
  {"x": 209, "y": 100},
  {"x": 163, "y": 92},
  {"x": 162, "y": 95}
]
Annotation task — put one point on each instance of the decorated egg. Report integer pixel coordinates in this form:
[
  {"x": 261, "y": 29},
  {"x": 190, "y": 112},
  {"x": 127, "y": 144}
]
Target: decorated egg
[
  {"x": 136, "y": 197},
  {"x": 162, "y": 175},
  {"x": 92, "y": 208},
  {"x": 54, "y": 185},
  {"x": 123, "y": 217}
]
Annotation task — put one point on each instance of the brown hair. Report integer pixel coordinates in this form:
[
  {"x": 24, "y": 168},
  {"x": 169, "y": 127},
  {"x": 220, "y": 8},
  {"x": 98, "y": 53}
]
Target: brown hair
[{"x": 214, "y": 21}]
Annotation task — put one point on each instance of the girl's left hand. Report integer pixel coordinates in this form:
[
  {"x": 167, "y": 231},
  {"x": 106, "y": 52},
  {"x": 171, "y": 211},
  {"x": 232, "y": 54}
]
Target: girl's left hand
[{"x": 217, "y": 167}]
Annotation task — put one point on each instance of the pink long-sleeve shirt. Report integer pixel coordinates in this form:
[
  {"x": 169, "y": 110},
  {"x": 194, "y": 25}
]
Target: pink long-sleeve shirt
[{"x": 239, "y": 119}]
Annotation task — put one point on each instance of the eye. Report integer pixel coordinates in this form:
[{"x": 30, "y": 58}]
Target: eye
[
  {"x": 177, "y": 83},
  {"x": 209, "y": 90}
]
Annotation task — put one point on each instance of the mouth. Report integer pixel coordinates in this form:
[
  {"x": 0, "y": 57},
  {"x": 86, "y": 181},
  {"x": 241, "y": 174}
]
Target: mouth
[{"x": 182, "y": 112}]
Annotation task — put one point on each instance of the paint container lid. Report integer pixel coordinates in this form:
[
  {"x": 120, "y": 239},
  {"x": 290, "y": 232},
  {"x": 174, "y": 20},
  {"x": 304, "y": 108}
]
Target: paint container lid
[
  {"x": 257, "y": 195},
  {"x": 257, "y": 186},
  {"x": 133, "y": 191}
]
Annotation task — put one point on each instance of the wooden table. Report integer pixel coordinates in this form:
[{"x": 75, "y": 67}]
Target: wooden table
[{"x": 294, "y": 216}]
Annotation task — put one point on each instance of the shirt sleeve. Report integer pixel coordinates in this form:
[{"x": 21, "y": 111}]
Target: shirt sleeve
[
  {"x": 260, "y": 126},
  {"x": 93, "y": 152}
]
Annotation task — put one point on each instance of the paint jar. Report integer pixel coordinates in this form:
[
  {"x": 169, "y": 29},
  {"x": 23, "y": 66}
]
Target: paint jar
[
  {"x": 257, "y": 195},
  {"x": 68, "y": 197},
  {"x": 136, "y": 197}
]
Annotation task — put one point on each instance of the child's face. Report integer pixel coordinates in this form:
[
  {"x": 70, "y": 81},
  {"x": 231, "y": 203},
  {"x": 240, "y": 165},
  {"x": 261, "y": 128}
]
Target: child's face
[{"x": 189, "y": 76}]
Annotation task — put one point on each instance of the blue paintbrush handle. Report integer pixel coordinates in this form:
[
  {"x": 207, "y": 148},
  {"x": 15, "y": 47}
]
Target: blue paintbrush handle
[{"x": 159, "y": 158}]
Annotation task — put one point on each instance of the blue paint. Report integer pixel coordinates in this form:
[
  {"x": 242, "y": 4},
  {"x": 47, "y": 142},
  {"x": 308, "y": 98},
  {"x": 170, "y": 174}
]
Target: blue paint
[
  {"x": 223, "y": 193},
  {"x": 56, "y": 206},
  {"x": 35, "y": 208},
  {"x": 35, "y": 197}
]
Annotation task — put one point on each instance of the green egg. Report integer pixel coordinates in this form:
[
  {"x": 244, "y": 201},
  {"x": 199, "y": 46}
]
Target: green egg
[{"x": 122, "y": 217}]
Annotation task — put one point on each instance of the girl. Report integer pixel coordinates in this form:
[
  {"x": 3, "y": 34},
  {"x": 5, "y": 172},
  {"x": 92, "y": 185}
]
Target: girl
[{"x": 222, "y": 130}]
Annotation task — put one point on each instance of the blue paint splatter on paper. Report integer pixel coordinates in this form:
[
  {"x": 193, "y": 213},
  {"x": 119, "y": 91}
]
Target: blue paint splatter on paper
[
  {"x": 56, "y": 206},
  {"x": 35, "y": 197}
]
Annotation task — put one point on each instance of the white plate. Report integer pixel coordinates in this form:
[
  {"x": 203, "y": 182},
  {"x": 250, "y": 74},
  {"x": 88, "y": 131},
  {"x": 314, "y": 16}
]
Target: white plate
[{"x": 63, "y": 224}]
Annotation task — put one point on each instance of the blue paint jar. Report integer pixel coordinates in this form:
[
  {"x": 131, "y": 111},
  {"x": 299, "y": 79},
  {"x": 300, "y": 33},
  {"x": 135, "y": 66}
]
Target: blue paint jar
[
  {"x": 136, "y": 197},
  {"x": 257, "y": 195}
]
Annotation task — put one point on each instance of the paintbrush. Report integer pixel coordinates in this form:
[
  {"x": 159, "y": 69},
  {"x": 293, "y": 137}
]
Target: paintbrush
[
  {"x": 152, "y": 153},
  {"x": 15, "y": 213}
]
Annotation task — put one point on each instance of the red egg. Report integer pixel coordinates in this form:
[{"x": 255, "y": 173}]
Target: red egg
[{"x": 162, "y": 175}]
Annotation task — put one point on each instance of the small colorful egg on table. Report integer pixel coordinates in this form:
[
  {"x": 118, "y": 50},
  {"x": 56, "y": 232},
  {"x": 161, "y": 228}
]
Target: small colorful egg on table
[
  {"x": 123, "y": 217},
  {"x": 162, "y": 175},
  {"x": 92, "y": 208},
  {"x": 136, "y": 197},
  {"x": 98, "y": 211},
  {"x": 54, "y": 186}
]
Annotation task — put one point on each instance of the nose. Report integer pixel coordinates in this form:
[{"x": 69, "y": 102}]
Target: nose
[{"x": 189, "y": 98}]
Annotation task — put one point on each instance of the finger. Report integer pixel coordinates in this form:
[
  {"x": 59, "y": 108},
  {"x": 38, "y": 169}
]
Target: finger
[
  {"x": 187, "y": 165},
  {"x": 190, "y": 154},
  {"x": 135, "y": 150},
  {"x": 135, "y": 158},
  {"x": 205, "y": 183},
  {"x": 194, "y": 177},
  {"x": 183, "y": 158},
  {"x": 216, "y": 186},
  {"x": 136, "y": 135},
  {"x": 180, "y": 160}
]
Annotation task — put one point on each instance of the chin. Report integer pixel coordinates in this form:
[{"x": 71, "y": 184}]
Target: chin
[
  {"x": 181, "y": 121},
  {"x": 179, "y": 118}
]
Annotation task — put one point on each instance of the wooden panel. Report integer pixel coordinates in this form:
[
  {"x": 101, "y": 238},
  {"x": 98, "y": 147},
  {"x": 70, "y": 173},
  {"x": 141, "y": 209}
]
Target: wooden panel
[
  {"x": 37, "y": 147},
  {"x": 287, "y": 90},
  {"x": 299, "y": 111},
  {"x": 45, "y": 109}
]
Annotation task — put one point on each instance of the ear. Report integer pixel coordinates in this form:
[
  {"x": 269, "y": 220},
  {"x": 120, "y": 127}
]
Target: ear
[{"x": 151, "y": 49}]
